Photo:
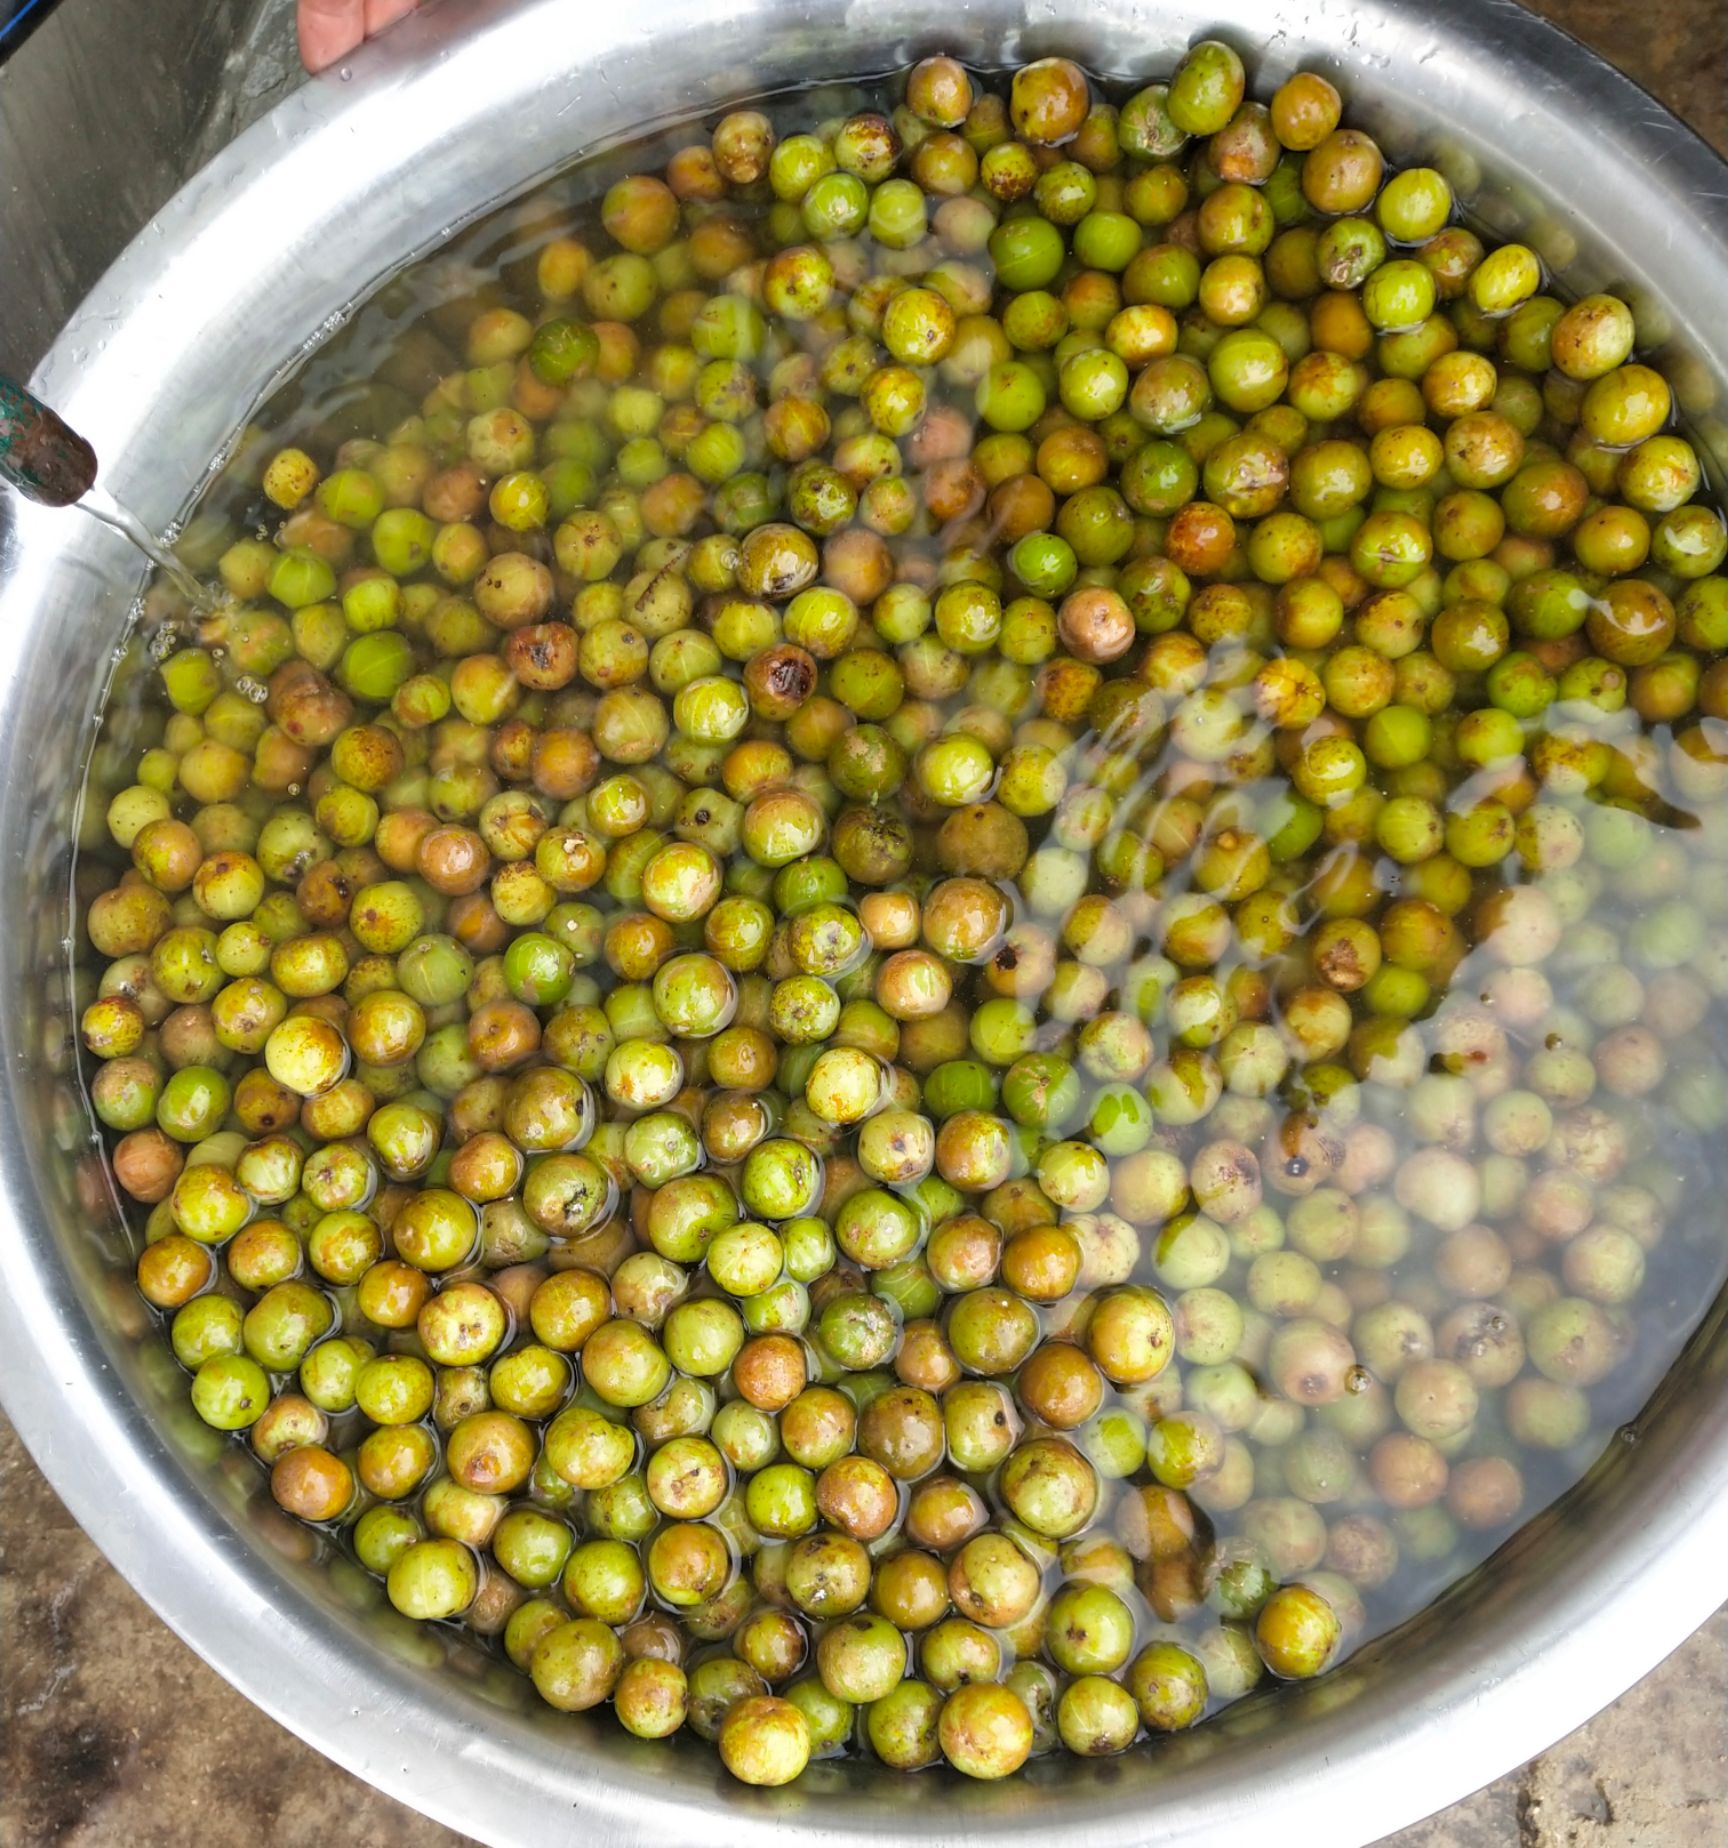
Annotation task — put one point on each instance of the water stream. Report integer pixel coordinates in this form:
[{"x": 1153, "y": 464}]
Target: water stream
[{"x": 101, "y": 505}]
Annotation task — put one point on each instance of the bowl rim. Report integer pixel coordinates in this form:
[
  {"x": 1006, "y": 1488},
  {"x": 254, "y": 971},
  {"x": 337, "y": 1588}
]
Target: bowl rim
[{"x": 1603, "y": 1619}]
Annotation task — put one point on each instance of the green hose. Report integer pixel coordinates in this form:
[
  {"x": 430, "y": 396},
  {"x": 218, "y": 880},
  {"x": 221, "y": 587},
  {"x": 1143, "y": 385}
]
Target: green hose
[{"x": 39, "y": 455}]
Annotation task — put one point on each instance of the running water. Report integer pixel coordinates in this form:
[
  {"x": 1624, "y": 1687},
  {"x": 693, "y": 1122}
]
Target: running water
[{"x": 101, "y": 505}]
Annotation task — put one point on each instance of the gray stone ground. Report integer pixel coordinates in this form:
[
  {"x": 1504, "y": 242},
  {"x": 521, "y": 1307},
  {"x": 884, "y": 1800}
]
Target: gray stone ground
[
  {"x": 1651, "y": 1772},
  {"x": 113, "y": 1732}
]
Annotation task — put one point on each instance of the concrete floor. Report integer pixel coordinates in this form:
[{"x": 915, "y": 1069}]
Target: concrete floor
[{"x": 113, "y": 1732}]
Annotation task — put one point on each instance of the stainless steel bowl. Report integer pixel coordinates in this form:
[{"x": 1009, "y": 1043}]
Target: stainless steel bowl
[{"x": 259, "y": 257}]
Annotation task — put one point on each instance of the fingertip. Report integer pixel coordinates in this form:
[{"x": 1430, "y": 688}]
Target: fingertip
[
  {"x": 381, "y": 14},
  {"x": 328, "y": 33}
]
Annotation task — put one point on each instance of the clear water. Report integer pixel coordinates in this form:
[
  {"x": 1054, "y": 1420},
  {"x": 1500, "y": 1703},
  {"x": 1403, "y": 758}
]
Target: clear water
[
  {"x": 101, "y": 505},
  {"x": 390, "y": 357}
]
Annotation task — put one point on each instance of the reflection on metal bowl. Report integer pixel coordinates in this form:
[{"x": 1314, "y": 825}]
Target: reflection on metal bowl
[{"x": 262, "y": 255}]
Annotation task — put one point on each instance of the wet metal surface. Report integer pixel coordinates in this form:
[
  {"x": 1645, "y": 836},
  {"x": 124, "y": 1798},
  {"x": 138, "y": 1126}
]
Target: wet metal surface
[{"x": 114, "y": 1732}]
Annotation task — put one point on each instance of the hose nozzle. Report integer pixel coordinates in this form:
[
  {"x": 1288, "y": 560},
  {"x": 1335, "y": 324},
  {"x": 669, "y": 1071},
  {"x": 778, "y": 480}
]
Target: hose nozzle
[{"x": 40, "y": 455}]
